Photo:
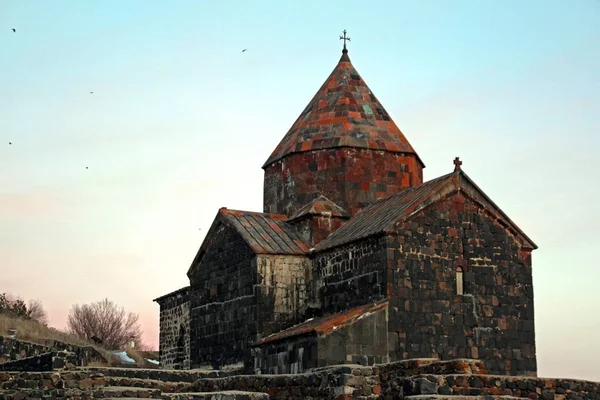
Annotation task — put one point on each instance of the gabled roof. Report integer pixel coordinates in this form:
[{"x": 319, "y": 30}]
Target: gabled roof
[
  {"x": 343, "y": 113},
  {"x": 327, "y": 324},
  {"x": 263, "y": 233},
  {"x": 320, "y": 206},
  {"x": 383, "y": 215}
]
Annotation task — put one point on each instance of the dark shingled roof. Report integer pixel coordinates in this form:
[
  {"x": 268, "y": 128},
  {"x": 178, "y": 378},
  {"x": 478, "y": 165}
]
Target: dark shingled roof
[
  {"x": 265, "y": 233},
  {"x": 378, "y": 216},
  {"x": 321, "y": 206},
  {"x": 343, "y": 113},
  {"x": 327, "y": 324},
  {"x": 382, "y": 215}
]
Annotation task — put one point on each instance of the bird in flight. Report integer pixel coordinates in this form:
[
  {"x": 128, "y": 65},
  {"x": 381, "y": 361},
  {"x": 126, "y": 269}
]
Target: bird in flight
[
  {"x": 14, "y": 30},
  {"x": 91, "y": 92},
  {"x": 244, "y": 50},
  {"x": 86, "y": 167},
  {"x": 9, "y": 143}
]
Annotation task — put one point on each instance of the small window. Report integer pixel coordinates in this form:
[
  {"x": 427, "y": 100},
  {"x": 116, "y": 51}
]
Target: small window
[{"x": 459, "y": 281}]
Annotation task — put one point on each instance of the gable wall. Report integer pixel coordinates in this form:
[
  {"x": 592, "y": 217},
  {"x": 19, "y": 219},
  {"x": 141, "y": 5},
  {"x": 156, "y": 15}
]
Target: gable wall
[
  {"x": 351, "y": 275},
  {"x": 223, "y": 305},
  {"x": 492, "y": 321}
]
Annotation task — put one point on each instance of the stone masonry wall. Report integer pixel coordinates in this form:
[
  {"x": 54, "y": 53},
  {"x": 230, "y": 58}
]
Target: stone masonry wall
[
  {"x": 315, "y": 228},
  {"x": 364, "y": 342},
  {"x": 350, "y": 177},
  {"x": 492, "y": 320},
  {"x": 15, "y": 349},
  {"x": 351, "y": 275},
  {"x": 281, "y": 291},
  {"x": 223, "y": 303},
  {"x": 296, "y": 355},
  {"x": 174, "y": 335}
]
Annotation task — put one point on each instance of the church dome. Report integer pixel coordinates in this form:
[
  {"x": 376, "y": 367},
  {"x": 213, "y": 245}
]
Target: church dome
[{"x": 343, "y": 113}]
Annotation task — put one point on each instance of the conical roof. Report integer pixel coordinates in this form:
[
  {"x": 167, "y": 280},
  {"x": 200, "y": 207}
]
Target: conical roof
[{"x": 343, "y": 113}]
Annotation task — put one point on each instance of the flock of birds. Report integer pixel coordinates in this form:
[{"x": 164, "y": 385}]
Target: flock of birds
[{"x": 15, "y": 31}]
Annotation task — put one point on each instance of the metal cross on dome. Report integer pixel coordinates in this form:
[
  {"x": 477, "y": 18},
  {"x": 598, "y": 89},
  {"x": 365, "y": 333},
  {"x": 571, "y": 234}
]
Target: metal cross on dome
[{"x": 344, "y": 38}]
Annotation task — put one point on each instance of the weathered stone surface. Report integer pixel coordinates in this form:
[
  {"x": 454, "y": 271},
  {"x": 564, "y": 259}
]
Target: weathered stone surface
[
  {"x": 67, "y": 354},
  {"x": 392, "y": 380},
  {"x": 352, "y": 178},
  {"x": 40, "y": 362},
  {"x": 174, "y": 334},
  {"x": 223, "y": 304},
  {"x": 350, "y": 275},
  {"x": 492, "y": 320}
]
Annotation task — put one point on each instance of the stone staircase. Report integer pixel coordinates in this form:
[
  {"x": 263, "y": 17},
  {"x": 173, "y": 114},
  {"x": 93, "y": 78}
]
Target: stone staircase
[
  {"x": 497, "y": 386},
  {"x": 107, "y": 383}
]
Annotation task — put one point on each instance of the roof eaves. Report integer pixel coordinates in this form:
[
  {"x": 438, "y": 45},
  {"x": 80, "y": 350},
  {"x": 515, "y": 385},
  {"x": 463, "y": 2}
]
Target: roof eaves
[
  {"x": 317, "y": 250},
  {"x": 182, "y": 290}
]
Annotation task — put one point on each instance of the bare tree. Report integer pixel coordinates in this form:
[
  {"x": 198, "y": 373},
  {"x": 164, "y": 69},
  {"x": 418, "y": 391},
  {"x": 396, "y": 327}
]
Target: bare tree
[
  {"x": 107, "y": 321},
  {"x": 35, "y": 311}
]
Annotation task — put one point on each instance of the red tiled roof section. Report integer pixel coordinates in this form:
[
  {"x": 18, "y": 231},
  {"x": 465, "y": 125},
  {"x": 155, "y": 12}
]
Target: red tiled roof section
[
  {"x": 327, "y": 324},
  {"x": 266, "y": 233},
  {"x": 321, "y": 206},
  {"x": 343, "y": 113}
]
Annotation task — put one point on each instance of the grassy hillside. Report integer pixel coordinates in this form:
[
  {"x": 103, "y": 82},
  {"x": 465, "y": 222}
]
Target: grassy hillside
[{"x": 32, "y": 331}]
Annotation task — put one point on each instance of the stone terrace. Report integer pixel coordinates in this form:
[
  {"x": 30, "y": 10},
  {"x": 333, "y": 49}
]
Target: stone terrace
[{"x": 422, "y": 379}]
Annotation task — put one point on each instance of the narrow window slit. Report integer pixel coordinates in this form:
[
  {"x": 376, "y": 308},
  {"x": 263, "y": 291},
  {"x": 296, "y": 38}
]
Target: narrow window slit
[{"x": 459, "y": 281}]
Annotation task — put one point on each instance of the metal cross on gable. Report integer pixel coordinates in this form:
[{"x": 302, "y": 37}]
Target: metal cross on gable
[
  {"x": 457, "y": 164},
  {"x": 344, "y": 38}
]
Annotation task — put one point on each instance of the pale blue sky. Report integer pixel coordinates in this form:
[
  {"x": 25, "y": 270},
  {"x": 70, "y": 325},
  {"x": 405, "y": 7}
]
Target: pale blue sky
[{"x": 181, "y": 121}]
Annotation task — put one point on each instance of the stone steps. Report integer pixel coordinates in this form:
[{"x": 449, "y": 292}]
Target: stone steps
[
  {"x": 155, "y": 374},
  {"x": 226, "y": 395},
  {"x": 445, "y": 397},
  {"x": 124, "y": 393},
  {"x": 104, "y": 392},
  {"x": 499, "y": 386},
  {"x": 167, "y": 387}
]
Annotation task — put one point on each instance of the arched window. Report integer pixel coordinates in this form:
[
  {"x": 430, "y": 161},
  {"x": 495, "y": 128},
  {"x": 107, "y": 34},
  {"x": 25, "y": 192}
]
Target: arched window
[{"x": 459, "y": 281}]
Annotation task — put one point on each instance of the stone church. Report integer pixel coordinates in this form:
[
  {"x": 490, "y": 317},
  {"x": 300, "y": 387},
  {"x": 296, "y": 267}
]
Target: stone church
[{"x": 354, "y": 258}]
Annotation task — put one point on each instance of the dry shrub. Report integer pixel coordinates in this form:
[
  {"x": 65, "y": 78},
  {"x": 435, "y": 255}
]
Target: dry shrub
[{"x": 107, "y": 321}]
